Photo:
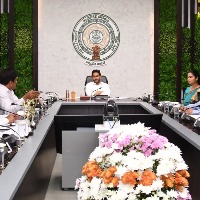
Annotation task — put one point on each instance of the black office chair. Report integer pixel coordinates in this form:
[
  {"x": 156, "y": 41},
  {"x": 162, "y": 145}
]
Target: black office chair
[{"x": 89, "y": 79}]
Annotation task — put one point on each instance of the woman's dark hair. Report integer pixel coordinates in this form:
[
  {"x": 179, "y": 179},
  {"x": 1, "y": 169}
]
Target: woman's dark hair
[
  {"x": 7, "y": 75},
  {"x": 96, "y": 71},
  {"x": 196, "y": 74}
]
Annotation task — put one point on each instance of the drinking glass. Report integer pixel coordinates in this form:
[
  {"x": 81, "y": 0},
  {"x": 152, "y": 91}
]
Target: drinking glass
[
  {"x": 176, "y": 111},
  {"x": 44, "y": 108},
  {"x": 166, "y": 107},
  {"x": 37, "y": 115},
  {"x": 22, "y": 128},
  {"x": 73, "y": 95},
  {"x": 2, "y": 149},
  {"x": 67, "y": 94},
  {"x": 161, "y": 106}
]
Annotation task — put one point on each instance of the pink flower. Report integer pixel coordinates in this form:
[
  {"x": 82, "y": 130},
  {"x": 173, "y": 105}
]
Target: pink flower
[{"x": 152, "y": 142}]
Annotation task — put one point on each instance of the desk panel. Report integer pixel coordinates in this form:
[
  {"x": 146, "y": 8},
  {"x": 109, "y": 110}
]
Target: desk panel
[
  {"x": 71, "y": 122},
  {"x": 95, "y": 109}
]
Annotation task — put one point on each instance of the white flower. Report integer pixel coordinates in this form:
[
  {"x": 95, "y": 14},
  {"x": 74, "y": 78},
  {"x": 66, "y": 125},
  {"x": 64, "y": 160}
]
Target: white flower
[
  {"x": 172, "y": 194},
  {"x": 100, "y": 153},
  {"x": 144, "y": 189},
  {"x": 131, "y": 196},
  {"x": 127, "y": 188},
  {"x": 157, "y": 185},
  {"x": 115, "y": 146},
  {"x": 184, "y": 193},
  {"x": 165, "y": 166},
  {"x": 120, "y": 171},
  {"x": 115, "y": 158},
  {"x": 130, "y": 163},
  {"x": 181, "y": 165},
  {"x": 154, "y": 197},
  {"x": 119, "y": 195}
]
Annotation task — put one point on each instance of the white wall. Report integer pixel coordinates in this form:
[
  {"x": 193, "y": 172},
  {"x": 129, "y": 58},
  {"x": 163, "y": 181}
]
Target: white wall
[{"x": 129, "y": 70}]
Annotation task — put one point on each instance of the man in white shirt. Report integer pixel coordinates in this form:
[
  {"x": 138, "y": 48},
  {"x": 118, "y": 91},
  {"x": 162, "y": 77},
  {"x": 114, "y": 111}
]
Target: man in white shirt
[
  {"x": 97, "y": 87},
  {"x": 8, "y": 100}
]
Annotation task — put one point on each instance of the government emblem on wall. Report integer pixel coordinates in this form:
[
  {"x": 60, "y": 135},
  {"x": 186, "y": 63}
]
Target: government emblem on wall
[{"x": 96, "y": 38}]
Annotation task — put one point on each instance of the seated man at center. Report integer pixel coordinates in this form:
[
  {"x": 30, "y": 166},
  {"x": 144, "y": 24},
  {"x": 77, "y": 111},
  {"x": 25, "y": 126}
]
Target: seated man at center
[{"x": 97, "y": 87}]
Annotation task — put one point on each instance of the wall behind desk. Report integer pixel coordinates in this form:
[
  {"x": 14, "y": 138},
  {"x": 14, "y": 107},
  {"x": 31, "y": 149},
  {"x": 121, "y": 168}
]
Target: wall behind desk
[{"x": 129, "y": 70}]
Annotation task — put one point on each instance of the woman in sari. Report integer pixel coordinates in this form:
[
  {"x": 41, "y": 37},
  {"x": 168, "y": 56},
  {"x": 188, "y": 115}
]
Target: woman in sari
[{"x": 191, "y": 92}]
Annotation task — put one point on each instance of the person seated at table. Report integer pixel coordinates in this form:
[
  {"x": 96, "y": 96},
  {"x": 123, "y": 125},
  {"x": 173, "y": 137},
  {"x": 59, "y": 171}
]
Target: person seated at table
[
  {"x": 9, "y": 119},
  {"x": 8, "y": 100},
  {"x": 97, "y": 87},
  {"x": 190, "y": 94}
]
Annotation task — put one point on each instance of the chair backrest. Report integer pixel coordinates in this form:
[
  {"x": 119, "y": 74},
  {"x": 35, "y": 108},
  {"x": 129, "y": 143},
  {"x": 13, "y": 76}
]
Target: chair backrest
[{"x": 89, "y": 79}]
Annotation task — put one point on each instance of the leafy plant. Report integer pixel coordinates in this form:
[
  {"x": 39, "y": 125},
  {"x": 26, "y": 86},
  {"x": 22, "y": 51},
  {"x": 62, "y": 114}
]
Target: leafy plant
[
  {"x": 167, "y": 50},
  {"x": 197, "y": 43},
  {"x": 186, "y": 55},
  {"x": 4, "y": 56},
  {"x": 23, "y": 45}
]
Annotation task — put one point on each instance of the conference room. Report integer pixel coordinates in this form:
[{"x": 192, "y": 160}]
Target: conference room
[{"x": 109, "y": 76}]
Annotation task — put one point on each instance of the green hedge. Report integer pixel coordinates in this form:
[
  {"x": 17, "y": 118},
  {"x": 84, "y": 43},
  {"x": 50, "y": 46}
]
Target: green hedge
[
  {"x": 197, "y": 42},
  {"x": 23, "y": 27},
  {"x": 4, "y": 56},
  {"x": 167, "y": 50},
  {"x": 186, "y": 55}
]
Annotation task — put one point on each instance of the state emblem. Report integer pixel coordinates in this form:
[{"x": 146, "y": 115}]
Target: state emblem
[{"x": 96, "y": 38}]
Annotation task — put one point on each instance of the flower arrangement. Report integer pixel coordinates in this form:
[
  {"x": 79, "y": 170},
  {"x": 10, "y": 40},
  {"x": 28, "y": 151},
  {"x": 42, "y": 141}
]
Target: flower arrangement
[
  {"x": 134, "y": 162},
  {"x": 29, "y": 108}
]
